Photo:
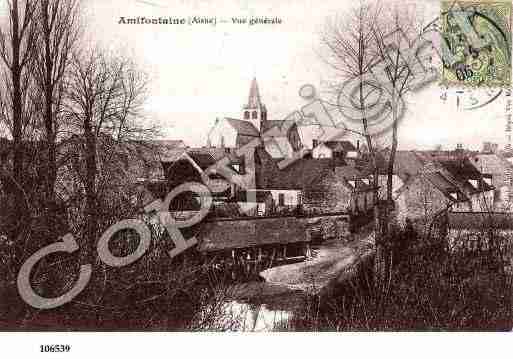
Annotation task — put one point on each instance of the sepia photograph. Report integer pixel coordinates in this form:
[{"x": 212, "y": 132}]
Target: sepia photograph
[{"x": 173, "y": 167}]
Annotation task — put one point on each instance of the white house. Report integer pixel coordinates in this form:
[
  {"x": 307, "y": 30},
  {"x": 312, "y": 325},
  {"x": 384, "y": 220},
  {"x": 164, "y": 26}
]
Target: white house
[{"x": 331, "y": 149}]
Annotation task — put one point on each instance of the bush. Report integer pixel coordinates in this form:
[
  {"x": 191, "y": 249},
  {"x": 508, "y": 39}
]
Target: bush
[{"x": 429, "y": 289}]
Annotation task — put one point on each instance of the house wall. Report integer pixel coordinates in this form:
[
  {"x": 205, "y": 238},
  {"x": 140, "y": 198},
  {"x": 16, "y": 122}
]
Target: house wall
[
  {"x": 322, "y": 151},
  {"x": 262, "y": 207},
  {"x": 397, "y": 183},
  {"x": 502, "y": 190},
  {"x": 291, "y": 197},
  {"x": 330, "y": 195},
  {"x": 482, "y": 202},
  {"x": 352, "y": 154},
  {"x": 248, "y": 208},
  {"x": 498, "y": 169},
  {"x": 419, "y": 199},
  {"x": 307, "y": 134},
  {"x": 369, "y": 199},
  {"x": 223, "y": 134},
  {"x": 462, "y": 207}
]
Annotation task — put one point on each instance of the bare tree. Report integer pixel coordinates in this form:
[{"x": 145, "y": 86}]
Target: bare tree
[
  {"x": 364, "y": 50},
  {"x": 104, "y": 100},
  {"x": 59, "y": 32},
  {"x": 392, "y": 36},
  {"x": 17, "y": 39},
  {"x": 351, "y": 53}
]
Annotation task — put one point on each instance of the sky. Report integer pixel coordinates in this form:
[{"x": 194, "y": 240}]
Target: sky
[{"x": 200, "y": 72}]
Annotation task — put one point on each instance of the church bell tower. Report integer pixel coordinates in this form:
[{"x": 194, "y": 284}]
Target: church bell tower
[{"x": 254, "y": 111}]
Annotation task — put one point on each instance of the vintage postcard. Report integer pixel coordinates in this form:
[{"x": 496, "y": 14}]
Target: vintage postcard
[{"x": 271, "y": 166}]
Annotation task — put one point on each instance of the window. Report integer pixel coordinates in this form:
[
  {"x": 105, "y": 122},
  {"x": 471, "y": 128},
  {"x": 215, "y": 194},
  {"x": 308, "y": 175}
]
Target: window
[
  {"x": 254, "y": 115},
  {"x": 246, "y": 115},
  {"x": 281, "y": 199}
]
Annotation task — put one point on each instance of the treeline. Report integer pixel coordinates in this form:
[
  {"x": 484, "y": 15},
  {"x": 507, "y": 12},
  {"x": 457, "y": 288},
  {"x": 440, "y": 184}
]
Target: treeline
[{"x": 72, "y": 134}]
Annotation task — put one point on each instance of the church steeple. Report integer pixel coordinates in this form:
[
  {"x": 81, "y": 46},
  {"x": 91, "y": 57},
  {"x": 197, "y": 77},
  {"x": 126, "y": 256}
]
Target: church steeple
[
  {"x": 254, "y": 95},
  {"x": 255, "y": 111}
]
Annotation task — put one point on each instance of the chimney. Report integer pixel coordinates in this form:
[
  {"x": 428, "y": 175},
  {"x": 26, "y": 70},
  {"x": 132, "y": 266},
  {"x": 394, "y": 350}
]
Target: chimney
[
  {"x": 315, "y": 143},
  {"x": 358, "y": 145}
]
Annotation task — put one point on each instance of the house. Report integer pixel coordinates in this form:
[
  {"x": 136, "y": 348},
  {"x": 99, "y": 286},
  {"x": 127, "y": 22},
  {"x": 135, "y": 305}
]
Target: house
[
  {"x": 255, "y": 202},
  {"x": 340, "y": 188},
  {"x": 189, "y": 165},
  {"x": 501, "y": 171},
  {"x": 331, "y": 149},
  {"x": 433, "y": 182},
  {"x": 179, "y": 167},
  {"x": 476, "y": 186},
  {"x": 326, "y": 185},
  {"x": 457, "y": 170},
  {"x": 274, "y": 191},
  {"x": 426, "y": 194},
  {"x": 242, "y": 241}
]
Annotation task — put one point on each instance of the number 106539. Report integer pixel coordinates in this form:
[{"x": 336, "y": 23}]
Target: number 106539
[{"x": 59, "y": 348}]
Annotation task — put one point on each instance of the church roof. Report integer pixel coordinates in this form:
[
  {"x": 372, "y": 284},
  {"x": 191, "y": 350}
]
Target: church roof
[
  {"x": 267, "y": 125},
  {"x": 254, "y": 100},
  {"x": 243, "y": 127}
]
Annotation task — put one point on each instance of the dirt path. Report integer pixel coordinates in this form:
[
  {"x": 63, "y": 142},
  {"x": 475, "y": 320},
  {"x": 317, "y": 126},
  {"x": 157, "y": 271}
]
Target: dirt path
[{"x": 330, "y": 259}]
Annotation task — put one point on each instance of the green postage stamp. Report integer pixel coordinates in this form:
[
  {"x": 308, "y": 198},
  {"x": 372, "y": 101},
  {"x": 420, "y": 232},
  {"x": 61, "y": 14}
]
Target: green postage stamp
[{"x": 478, "y": 39}]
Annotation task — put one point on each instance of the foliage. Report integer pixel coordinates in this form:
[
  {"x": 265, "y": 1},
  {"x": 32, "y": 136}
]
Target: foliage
[{"x": 430, "y": 289}]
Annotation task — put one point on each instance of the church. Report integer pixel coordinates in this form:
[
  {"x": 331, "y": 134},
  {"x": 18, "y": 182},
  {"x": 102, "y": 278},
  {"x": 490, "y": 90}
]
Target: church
[{"x": 231, "y": 133}]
